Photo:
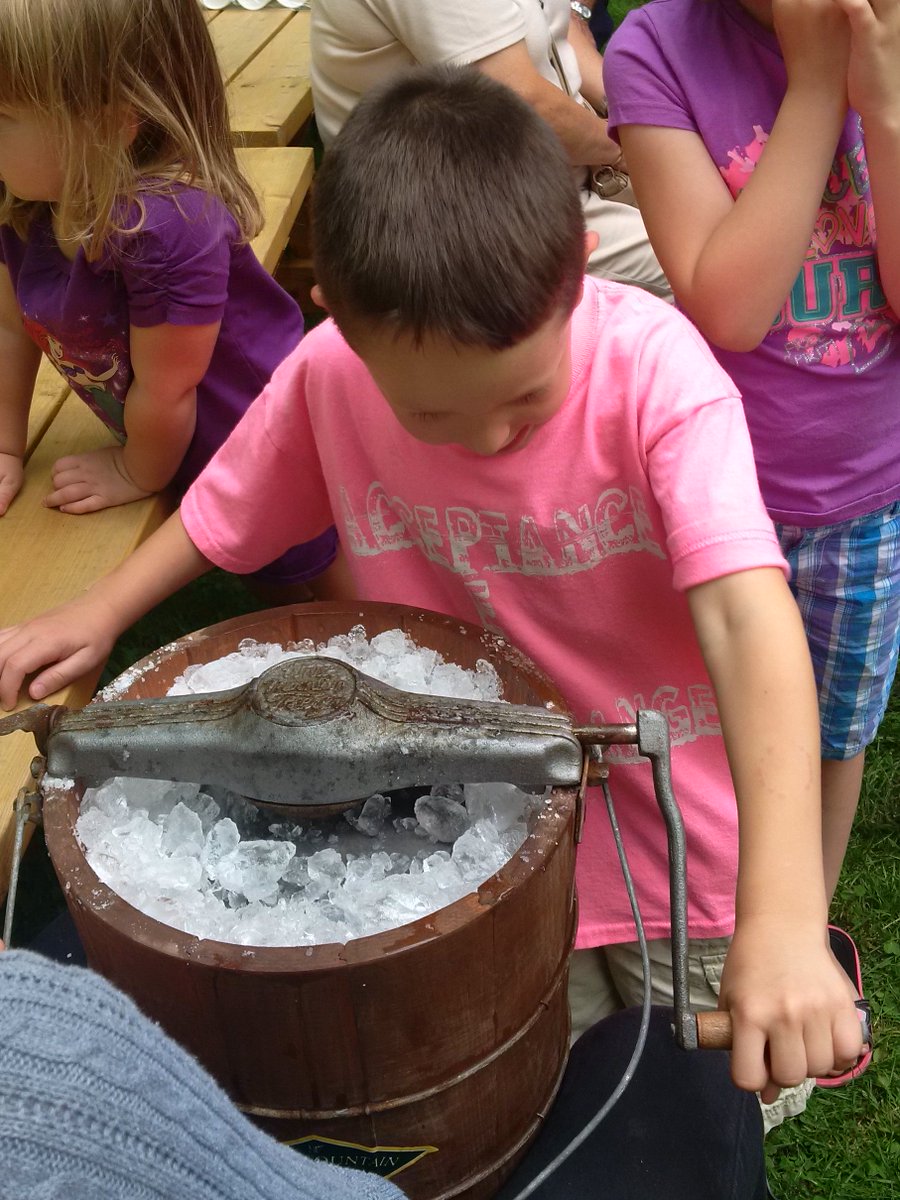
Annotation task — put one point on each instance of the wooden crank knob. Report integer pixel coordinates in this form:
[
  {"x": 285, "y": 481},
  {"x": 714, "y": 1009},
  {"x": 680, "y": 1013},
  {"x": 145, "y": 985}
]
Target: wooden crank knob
[{"x": 714, "y": 1030}]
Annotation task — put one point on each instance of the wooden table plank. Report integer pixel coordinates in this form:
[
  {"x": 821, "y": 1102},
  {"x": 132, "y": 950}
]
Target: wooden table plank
[
  {"x": 37, "y": 575},
  {"x": 33, "y": 535},
  {"x": 50, "y": 390},
  {"x": 281, "y": 178},
  {"x": 240, "y": 35},
  {"x": 271, "y": 97}
]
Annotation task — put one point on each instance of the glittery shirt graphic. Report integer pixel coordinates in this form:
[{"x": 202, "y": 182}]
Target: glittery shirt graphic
[
  {"x": 99, "y": 371},
  {"x": 836, "y": 314}
]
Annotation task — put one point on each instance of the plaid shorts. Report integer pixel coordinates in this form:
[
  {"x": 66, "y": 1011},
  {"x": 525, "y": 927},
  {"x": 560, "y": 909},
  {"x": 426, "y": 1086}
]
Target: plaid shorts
[{"x": 846, "y": 579}]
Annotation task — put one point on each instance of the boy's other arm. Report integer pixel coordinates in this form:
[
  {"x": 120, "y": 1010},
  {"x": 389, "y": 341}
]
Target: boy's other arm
[
  {"x": 791, "y": 1005},
  {"x": 20, "y": 357},
  {"x": 69, "y": 640},
  {"x": 581, "y": 131},
  {"x": 873, "y": 85},
  {"x": 732, "y": 263},
  {"x": 168, "y": 361}
]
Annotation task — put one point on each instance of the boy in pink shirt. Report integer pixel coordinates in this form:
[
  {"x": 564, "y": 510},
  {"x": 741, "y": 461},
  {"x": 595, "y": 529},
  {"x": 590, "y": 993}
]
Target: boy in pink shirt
[{"x": 562, "y": 459}]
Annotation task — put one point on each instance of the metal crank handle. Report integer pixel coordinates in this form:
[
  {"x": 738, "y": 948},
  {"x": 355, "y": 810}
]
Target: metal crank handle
[{"x": 38, "y": 720}]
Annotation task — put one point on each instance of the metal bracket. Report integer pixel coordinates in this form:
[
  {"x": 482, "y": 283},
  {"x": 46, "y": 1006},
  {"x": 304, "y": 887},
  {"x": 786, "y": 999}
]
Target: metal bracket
[
  {"x": 650, "y": 734},
  {"x": 653, "y": 743},
  {"x": 26, "y": 808}
]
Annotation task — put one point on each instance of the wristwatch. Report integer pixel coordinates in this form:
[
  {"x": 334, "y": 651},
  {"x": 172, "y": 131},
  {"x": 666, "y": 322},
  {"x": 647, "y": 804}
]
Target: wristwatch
[{"x": 582, "y": 10}]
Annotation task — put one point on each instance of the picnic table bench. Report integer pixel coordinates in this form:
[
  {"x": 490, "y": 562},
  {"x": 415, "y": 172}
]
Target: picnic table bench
[{"x": 49, "y": 557}]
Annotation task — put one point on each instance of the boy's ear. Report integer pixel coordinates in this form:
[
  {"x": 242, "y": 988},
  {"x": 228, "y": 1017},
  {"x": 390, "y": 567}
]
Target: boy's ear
[
  {"x": 591, "y": 242},
  {"x": 318, "y": 297}
]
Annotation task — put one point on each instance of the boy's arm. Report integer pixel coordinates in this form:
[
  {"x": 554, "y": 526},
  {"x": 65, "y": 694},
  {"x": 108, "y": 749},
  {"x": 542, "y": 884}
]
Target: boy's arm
[
  {"x": 873, "y": 85},
  {"x": 73, "y": 638},
  {"x": 160, "y": 414},
  {"x": 732, "y": 263},
  {"x": 20, "y": 358},
  {"x": 791, "y": 1005}
]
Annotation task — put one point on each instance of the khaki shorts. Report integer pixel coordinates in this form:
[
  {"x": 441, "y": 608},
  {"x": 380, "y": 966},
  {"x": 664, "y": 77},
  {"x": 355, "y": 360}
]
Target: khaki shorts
[
  {"x": 624, "y": 253},
  {"x": 603, "y": 980}
]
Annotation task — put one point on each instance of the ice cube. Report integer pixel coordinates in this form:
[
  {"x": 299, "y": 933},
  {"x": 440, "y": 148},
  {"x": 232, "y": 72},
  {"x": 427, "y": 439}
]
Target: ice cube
[
  {"x": 253, "y": 869},
  {"x": 326, "y": 871},
  {"x": 182, "y": 833},
  {"x": 371, "y": 818},
  {"x": 503, "y": 804},
  {"x": 478, "y": 853},
  {"x": 222, "y": 839},
  {"x": 442, "y": 818}
]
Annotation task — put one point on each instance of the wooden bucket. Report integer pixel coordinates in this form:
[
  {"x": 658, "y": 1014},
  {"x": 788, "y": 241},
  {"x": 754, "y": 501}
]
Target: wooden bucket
[{"x": 427, "y": 1053}]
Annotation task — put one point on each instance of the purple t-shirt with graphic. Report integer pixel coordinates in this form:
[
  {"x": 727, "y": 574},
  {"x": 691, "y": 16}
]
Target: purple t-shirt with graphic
[
  {"x": 184, "y": 267},
  {"x": 820, "y": 392}
]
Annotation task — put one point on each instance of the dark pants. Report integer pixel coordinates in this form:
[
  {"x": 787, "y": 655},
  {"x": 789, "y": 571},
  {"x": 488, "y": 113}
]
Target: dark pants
[{"x": 680, "y": 1131}]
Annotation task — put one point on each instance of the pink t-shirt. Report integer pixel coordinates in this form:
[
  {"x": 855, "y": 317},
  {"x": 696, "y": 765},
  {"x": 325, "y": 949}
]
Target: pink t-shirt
[{"x": 577, "y": 548}]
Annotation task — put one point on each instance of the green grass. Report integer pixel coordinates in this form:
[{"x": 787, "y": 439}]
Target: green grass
[{"x": 846, "y": 1146}]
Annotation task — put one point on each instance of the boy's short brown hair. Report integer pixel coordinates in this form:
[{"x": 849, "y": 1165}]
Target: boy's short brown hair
[{"x": 447, "y": 207}]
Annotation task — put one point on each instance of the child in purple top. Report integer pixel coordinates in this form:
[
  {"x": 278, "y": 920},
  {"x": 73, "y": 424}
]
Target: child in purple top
[
  {"x": 124, "y": 256},
  {"x": 742, "y": 123}
]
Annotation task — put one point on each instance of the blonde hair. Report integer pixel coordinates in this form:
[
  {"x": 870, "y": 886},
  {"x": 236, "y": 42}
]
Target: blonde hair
[{"x": 132, "y": 92}]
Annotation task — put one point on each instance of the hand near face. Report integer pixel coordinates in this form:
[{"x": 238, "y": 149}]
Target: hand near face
[
  {"x": 814, "y": 36},
  {"x": 873, "y": 76}
]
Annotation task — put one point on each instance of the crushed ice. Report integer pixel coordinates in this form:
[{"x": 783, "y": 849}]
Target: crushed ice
[{"x": 208, "y": 862}]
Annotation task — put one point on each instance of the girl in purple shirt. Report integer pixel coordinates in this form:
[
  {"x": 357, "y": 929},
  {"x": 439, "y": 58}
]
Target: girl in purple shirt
[
  {"x": 762, "y": 139},
  {"x": 124, "y": 256}
]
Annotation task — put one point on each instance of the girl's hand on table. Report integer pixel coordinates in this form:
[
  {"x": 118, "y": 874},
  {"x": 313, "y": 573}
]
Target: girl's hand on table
[{"x": 85, "y": 483}]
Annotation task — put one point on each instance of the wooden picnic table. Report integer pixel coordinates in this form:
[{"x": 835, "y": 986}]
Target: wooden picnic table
[
  {"x": 264, "y": 55},
  {"x": 49, "y": 557}
]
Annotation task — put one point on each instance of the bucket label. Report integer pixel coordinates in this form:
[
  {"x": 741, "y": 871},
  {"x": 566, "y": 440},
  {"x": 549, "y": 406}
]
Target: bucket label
[{"x": 386, "y": 1161}]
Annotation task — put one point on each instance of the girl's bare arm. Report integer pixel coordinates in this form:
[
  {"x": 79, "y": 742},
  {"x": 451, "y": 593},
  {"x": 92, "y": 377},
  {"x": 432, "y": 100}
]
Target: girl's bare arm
[
  {"x": 20, "y": 358},
  {"x": 791, "y": 1005},
  {"x": 160, "y": 415},
  {"x": 732, "y": 263}
]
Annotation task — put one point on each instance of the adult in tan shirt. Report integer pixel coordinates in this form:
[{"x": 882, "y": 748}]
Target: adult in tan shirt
[{"x": 542, "y": 50}]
